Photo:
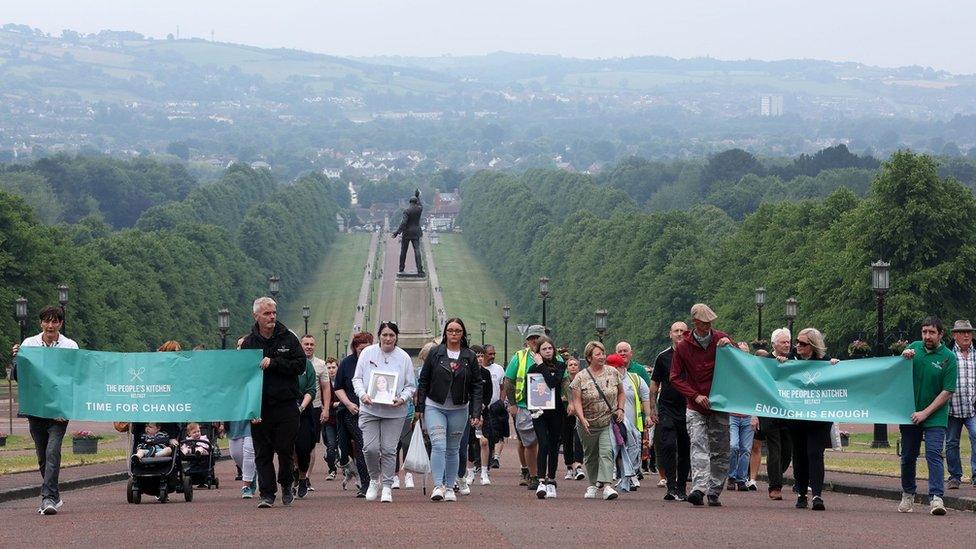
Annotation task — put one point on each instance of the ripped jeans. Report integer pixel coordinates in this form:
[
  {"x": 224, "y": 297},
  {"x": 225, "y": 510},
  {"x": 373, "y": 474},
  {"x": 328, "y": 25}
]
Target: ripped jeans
[{"x": 445, "y": 428}]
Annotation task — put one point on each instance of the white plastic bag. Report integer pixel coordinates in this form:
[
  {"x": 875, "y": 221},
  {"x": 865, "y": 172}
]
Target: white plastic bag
[
  {"x": 417, "y": 459},
  {"x": 835, "y": 438}
]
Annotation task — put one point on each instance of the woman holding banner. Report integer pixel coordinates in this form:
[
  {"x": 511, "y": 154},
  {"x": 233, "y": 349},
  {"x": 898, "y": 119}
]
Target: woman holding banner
[{"x": 810, "y": 438}]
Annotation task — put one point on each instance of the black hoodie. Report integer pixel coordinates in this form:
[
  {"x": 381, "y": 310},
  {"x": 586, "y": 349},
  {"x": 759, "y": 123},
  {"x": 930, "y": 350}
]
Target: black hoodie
[{"x": 287, "y": 363}]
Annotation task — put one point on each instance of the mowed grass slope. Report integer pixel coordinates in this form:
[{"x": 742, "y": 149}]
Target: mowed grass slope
[
  {"x": 471, "y": 293},
  {"x": 333, "y": 290}
]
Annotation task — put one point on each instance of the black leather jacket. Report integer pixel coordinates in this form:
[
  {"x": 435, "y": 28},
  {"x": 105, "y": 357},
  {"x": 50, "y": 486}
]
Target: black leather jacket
[{"x": 464, "y": 383}]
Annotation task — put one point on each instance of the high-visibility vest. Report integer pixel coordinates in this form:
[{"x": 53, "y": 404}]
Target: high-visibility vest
[
  {"x": 638, "y": 411},
  {"x": 522, "y": 356}
]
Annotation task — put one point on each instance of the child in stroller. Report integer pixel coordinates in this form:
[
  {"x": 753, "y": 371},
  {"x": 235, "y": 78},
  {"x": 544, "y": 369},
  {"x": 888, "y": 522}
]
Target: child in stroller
[
  {"x": 199, "y": 456},
  {"x": 152, "y": 443},
  {"x": 195, "y": 443}
]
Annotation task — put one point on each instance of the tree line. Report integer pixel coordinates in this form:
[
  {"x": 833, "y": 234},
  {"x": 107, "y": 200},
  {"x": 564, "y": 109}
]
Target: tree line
[
  {"x": 648, "y": 268},
  {"x": 133, "y": 288}
]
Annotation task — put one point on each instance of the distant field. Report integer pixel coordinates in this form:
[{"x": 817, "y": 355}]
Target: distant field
[
  {"x": 332, "y": 291},
  {"x": 471, "y": 293}
]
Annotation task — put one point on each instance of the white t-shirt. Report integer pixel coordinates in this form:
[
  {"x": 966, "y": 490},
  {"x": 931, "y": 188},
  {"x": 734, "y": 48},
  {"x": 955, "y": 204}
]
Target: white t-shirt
[
  {"x": 37, "y": 341},
  {"x": 497, "y": 375},
  {"x": 448, "y": 403},
  {"x": 398, "y": 362},
  {"x": 321, "y": 376}
]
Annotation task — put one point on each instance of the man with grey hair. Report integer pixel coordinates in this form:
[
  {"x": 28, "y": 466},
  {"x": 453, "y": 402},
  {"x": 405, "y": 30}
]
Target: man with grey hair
[
  {"x": 776, "y": 431},
  {"x": 277, "y": 429},
  {"x": 962, "y": 405}
]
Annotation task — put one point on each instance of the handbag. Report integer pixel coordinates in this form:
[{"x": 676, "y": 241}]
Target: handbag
[{"x": 616, "y": 427}]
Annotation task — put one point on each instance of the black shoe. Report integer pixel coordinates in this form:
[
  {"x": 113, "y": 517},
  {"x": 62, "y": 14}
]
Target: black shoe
[
  {"x": 681, "y": 496},
  {"x": 696, "y": 498},
  {"x": 713, "y": 501},
  {"x": 287, "y": 497},
  {"x": 741, "y": 486},
  {"x": 818, "y": 504},
  {"x": 361, "y": 494},
  {"x": 801, "y": 502},
  {"x": 494, "y": 463},
  {"x": 670, "y": 496},
  {"x": 266, "y": 503},
  {"x": 302, "y": 487},
  {"x": 533, "y": 483}
]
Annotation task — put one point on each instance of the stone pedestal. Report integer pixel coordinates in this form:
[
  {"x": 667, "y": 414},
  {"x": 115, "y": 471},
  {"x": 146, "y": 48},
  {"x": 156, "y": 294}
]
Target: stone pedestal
[{"x": 412, "y": 311}]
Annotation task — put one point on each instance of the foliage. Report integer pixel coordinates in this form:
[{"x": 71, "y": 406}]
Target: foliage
[{"x": 84, "y": 435}]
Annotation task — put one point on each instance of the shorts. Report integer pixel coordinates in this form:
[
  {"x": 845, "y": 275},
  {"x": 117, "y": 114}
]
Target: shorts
[{"x": 525, "y": 428}]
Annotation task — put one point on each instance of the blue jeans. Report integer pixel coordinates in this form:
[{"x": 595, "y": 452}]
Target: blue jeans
[
  {"x": 740, "y": 443},
  {"x": 953, "y": 461},
  {"x": 47, "y": 435},
  {"x": 445, "y": 428},
  {"x": 911, "y": 441}
]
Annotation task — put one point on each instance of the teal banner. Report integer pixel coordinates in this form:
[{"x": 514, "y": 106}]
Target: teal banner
[
  {"x": 869, "y": 390},
  {"x": 101, "y": 386}
]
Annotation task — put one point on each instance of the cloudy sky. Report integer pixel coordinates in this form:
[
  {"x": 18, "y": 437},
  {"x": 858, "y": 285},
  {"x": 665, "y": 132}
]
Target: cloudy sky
[{"x": 936, "y": 33}]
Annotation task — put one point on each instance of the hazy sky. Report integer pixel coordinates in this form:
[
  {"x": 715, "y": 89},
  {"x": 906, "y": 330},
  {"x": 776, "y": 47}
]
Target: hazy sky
[{"x": 936, "y": 33}]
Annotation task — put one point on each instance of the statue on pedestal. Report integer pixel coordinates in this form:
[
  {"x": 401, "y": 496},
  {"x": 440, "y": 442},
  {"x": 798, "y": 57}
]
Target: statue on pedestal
[{"x": 411, "y": 231}]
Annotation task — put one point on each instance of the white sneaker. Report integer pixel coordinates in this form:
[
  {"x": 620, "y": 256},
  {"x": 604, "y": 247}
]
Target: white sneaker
[
  {"x": 449, "y": 495},
  {"x": 373, "y": 491},
  {"x": 609, "y": 492},
  {"x": 463, "y": 488},
  {"x": 485, "y": 481},
  {"x": 408, "y": 480},
  {"x": 590, "y": 492},
  {"x": 570, "y": 474},
  {"x": 635, "y": 482},
  {"x": 469, "y": 477},
  {"x": 396, "y": 482},
  {"x": 437, "y": 494},
  {"x": 937, "y": 508},
  {"x": 541, "y": 491},
  {"x": 550, "y": 491},
  {"x": 751, "y": 485},
  {"x": 580, "y": 474},
  {"x": 387, "y": 496},
  {"x": 907, "y": 504},
  {"x": 663, "y": 483}
]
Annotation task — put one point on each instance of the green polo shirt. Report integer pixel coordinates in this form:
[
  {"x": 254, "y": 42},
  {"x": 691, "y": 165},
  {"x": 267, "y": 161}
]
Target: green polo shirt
[
  {"x": 932, "y": 373},
  {"x": 639, "y": 369}
]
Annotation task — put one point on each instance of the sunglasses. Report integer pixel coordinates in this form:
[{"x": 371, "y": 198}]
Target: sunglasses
[{"x": 802, "y": 343}]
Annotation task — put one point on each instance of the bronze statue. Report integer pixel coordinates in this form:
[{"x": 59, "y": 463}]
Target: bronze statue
[{"x": 410, "y": 228}]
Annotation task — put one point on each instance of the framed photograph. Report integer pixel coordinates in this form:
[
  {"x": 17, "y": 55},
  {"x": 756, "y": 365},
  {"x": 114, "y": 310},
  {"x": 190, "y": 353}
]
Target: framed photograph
[
  {"x": 382, "y": 387},
  {"x": 540, "y": 396}
]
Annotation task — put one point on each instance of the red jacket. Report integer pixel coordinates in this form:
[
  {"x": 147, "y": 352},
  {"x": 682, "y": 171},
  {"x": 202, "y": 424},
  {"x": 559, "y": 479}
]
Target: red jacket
[{"x": 692, "y": 368}]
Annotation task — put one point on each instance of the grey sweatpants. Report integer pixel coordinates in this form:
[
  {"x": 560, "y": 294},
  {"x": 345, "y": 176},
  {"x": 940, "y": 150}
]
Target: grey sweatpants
[
  {"x": 709, "y": 434},
  {"x": 380, "y": 438}
]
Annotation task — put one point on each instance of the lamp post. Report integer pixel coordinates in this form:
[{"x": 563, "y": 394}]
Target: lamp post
[
  {"x": 760, "y": 301},
  {"x": 880, "y": 283},
  {"x": 484, "y": 328},
  {"x": 274, "y": 286},
  {"x": 325, "y": 340},
  {"x": 338, "y": 336},
  {"x": 790, "y": 316},
  {"x": 20, "y": 313},
  {"x": 601, "y": 323},
  {"x": 306, "y": 312},
  {"x": 223, "y": 326},
  {"x": 63, "y": 300},
  {"x": 544, "y": 292},
  {"x": 506, "y": 314}
]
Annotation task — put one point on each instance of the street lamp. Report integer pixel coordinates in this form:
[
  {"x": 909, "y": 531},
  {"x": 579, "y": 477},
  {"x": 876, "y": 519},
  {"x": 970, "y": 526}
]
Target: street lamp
[
  {"x": 63, "y": 300},
  {"x": 338, "y": 336},
  {"x": 274, "y": 286},
  {"x": 601, "y": 323},
  {"x": 484, "y": 327},
  {"x": 790, "y": 316},
  {"x": 506, "y": 314},
  {"x": 325, "y": 340},
  {"x": 306, "y": 312},
  {"x": 760, "y": 301},
  {"x": 20, "y": 313},
  {"x": 223, "y": 326},
  {"x": 880, "y": 283},
  {"x": 544, "y": 292}
]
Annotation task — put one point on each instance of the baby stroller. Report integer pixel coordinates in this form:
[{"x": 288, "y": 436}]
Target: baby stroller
[
  {"x": 198, "y": 466},
  {"x": 156, "y": 476}
]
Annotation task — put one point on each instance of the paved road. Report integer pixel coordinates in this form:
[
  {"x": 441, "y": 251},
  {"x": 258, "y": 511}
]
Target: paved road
[
  {"x": 501, "y": 515},
  {"x": 439, "y": 307},
  {"x": 365, "y": 286}
]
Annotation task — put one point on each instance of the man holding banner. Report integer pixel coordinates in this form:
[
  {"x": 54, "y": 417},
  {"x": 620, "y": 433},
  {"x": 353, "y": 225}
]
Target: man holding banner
[
  {"x": 692, "y": 368},
  {"x": 934, "y": 374},
  {"x": 48, "y": 433},
  {"x": 277, "y": 430}
]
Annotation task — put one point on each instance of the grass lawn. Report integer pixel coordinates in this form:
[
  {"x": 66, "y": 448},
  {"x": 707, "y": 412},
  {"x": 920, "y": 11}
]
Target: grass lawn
[
  {"x": 472, "y": 294},
  {"x": 859, "y": 457},
  {"x": 333, "y": 290}
]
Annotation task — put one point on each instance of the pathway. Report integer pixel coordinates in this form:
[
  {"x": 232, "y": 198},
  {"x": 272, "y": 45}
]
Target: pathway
[{"x": 363, "y": 301}]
